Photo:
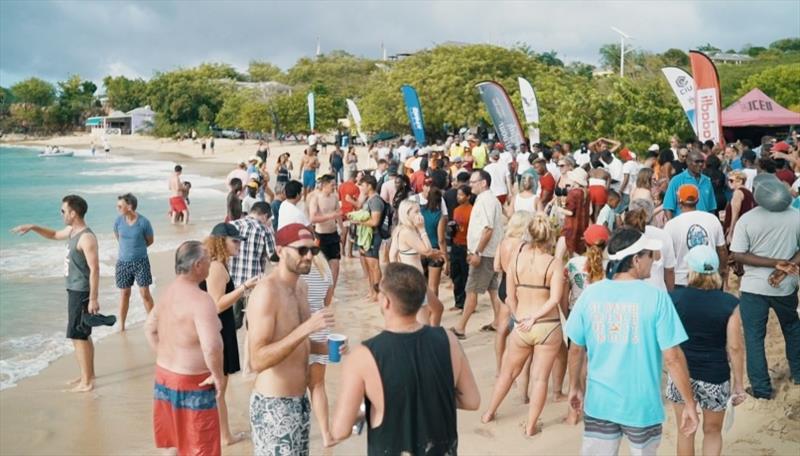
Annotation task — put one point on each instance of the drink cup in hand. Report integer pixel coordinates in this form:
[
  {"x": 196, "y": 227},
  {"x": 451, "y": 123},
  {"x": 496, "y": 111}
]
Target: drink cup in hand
[{"x": 335, "y": 344}]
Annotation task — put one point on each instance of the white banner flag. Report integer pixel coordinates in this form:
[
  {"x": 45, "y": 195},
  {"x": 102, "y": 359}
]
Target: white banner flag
[
  {"x": 682, "y": 85},
  {"x": 530, "y": 108},
  {"x": 351, "y": 106}
]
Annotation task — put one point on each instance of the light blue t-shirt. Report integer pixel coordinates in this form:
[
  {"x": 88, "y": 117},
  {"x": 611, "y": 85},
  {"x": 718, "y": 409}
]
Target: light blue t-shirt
[
  {"x": 625, "y": 325},
  {"x": 133, "y": 238}
]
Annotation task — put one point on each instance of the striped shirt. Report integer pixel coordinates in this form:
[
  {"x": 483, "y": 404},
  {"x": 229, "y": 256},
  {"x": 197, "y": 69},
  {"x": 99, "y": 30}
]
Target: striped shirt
[
  {"x": 254, "y": 251},
  {"x": 317, "y": 290}
]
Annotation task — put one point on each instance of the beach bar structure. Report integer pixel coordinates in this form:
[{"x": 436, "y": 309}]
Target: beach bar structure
[{"x": 123, "y": 123}]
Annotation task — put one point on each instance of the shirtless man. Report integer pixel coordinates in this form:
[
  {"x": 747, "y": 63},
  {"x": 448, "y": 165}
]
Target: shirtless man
[
  {"x": 308, "y": 169},
  {"x": 279, "y": 327},
  {"x": 82, "y": 272},
  {"x": 177, "y": 203},
  {"x": 184, "y": 331},
  {"x": 325, "y": 213}
]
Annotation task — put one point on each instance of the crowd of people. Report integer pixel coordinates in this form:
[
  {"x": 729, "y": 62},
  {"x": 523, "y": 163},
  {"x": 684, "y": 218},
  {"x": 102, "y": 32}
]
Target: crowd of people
[{"x": 600, "y": 261}]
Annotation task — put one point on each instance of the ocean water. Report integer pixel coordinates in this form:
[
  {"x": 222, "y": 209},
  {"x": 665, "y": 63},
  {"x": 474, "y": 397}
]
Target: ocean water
[{"x": 32, "y": 296}]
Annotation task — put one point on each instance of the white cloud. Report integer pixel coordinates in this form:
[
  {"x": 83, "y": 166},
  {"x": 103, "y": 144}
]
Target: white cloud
[{"x": 53, "y": 40}]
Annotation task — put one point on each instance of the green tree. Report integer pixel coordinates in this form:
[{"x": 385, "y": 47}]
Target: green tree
[
  {"x": 781, "y": 83},
  {"x": 264, "y": 71},
  {"x": 786, "y": 45},
  {"x": 186, "y": 99},
  {"x": 34, "y": 91},
  {"x": 708, "y": 48},
  {"x": 76, "y": 101},
  {"x": 125, "y": 94},
  {"x": 675, "y": 57}
]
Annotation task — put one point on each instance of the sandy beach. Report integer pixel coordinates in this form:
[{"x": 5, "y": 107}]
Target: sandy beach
[{"x": 37, "y": 418}]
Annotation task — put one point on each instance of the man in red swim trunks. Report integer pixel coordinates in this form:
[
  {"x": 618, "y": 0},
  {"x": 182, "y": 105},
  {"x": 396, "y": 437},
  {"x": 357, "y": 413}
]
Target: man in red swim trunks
[
  {"x": 177, "y": 203},
  {"x": 183, "y": 330}
]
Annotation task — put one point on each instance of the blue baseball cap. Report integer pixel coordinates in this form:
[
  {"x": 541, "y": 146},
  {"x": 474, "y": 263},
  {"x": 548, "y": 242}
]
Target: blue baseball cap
[{"x": 703, "y": 259}]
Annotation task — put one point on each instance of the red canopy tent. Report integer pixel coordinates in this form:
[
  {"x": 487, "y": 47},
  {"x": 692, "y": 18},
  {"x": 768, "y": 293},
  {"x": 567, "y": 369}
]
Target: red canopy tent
[{"x": 757, "y": 109}]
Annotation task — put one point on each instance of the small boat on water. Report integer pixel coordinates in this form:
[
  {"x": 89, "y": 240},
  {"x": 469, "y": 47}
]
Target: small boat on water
[{"x": 56, "y": 152}]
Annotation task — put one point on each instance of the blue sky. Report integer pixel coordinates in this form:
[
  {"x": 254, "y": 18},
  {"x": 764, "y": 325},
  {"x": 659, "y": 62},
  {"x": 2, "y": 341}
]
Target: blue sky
[{"x": 53, "y": 40}]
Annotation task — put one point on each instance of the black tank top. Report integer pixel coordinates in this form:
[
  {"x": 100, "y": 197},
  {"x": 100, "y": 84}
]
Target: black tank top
[{"x": 419, "y": 415}]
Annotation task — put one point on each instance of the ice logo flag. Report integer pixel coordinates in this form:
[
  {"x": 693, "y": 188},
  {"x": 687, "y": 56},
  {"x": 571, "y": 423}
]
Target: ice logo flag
[
  {"x": 683, "y": 86},
  {"x": 504, "y": 117},
  {"x": 414, "y": 110},
  {"x": 707, "y": 98}
]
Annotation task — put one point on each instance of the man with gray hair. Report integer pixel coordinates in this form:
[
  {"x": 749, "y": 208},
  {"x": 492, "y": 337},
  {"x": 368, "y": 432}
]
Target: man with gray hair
[{"x": 184, "y": 331}]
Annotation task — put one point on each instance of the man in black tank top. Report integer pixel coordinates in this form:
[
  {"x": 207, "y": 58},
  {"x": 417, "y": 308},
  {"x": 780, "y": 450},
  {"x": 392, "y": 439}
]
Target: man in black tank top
[{"x": 411, "y": 377}]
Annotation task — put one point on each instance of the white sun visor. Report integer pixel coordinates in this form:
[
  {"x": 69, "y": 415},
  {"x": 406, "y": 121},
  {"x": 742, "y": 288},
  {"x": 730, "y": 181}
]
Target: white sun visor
[{"x": 643, "y": 243}]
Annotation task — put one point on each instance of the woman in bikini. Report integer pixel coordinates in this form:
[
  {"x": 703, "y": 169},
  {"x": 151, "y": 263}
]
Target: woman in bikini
[
  {"x": 409, "y": 244},
  {"x": 515, "y": 236},
  {"x": 534, "y": 284}
]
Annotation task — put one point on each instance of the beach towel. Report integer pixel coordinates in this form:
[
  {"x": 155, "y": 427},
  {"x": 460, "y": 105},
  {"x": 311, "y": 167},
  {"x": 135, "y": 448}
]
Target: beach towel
[
  {"x": 363, "y": 233},
  {"x": 185, "y": 414}
]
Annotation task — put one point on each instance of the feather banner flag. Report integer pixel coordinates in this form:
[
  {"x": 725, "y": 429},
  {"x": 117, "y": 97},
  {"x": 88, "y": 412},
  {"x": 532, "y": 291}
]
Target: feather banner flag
[
  {"x": 504, "y": 117},
  {"x": 708, "y": 109},
  {"x": 682, "y": 85},
  {"x": 530, "y": 108}
]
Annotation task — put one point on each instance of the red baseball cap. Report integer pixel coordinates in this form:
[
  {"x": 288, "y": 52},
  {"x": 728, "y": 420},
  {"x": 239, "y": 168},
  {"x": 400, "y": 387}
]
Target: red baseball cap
[
  {"x": 292, "y": 232},
  {"x": 595, "y": 234},
  {"x": 780, "y": 147}
]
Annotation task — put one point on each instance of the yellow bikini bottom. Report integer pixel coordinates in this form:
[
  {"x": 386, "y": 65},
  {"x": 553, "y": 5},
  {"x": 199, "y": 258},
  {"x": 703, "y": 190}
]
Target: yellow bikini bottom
[{"x": 539, "y": 332}]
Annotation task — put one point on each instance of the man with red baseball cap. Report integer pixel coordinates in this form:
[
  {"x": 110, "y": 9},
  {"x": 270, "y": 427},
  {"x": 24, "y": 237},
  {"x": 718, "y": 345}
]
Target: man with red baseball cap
[
  {"x": 692, "y": 228},
  {"x": 280, "y": 324}
]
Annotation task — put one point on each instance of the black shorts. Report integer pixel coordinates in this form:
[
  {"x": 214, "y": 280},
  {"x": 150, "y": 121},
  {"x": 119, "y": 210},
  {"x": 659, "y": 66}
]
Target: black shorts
[
  {"x": 77, "y": 306},
  {"x": 375, "y": 250},
  {"x": 428, "y": 263},
  {"x": 330, "y": 245}
]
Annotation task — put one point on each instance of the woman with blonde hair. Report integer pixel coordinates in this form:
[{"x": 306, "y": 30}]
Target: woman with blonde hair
[
  {"x": 515, "y": 235},
  {"x": 644, "y": 185},
  {"x": 714, "y": 350},
  {"x": 409, "y": 244},
  {"x": 222, "y": 244},
  {"x": 534, "y": 286},
  {"x": 741, "y": 201},
  {"x": 526, "y": 199},
  {"x": 320, "y": 295}
]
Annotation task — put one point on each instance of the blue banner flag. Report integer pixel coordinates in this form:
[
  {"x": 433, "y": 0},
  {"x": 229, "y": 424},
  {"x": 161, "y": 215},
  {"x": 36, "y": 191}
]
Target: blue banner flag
[
  {"x": 504, "y": 117},
  {"x": 414, "y": 111}
]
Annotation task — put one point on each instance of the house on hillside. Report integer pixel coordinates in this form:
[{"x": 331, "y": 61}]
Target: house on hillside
[
  {"x": 138, "y": 120},
  {"x": 725, "y": 57}
]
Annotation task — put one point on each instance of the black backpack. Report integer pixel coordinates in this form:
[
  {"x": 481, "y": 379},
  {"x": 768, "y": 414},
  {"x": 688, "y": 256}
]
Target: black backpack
[{"x": 385, "y": 225}]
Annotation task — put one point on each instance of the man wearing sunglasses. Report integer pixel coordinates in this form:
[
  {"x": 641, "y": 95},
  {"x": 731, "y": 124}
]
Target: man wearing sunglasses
[
  {"x": 82, "y": 272},
  {"x": 280, "y": 324},
  {"x": 692, "y": 176}
]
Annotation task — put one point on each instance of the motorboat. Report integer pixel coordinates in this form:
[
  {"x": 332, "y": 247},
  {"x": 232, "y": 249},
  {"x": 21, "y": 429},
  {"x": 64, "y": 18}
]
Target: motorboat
[{"x": 56, "y": 152}]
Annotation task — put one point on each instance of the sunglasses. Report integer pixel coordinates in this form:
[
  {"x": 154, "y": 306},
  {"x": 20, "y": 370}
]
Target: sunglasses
[
  {"x": 699, "y": 162},
  {"x": 303, "y": 251}
]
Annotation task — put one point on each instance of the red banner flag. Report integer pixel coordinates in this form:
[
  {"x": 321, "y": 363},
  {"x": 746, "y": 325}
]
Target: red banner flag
[{"x": 708, "y": 100}]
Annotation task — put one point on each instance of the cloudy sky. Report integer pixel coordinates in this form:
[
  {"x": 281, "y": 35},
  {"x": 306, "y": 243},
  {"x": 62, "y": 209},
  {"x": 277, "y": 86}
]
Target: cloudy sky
[{"x": 52, "y": 40}]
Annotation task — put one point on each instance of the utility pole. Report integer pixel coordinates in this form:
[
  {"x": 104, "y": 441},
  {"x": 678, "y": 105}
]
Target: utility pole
[{"x": 622, "y": 37}]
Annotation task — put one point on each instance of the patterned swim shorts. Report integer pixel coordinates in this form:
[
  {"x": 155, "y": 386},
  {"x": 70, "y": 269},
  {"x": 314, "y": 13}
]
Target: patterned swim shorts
[
  {"x": 711, "y": 396},
  {"x": 279, "y": 425},
  {"x": 127, "y": 271}
]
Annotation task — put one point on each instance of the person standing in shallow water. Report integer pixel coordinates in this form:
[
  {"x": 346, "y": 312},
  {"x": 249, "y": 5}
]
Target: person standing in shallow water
[
  {"x": 134, "y": 234},
  {"x": 82, "y": 271}
]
